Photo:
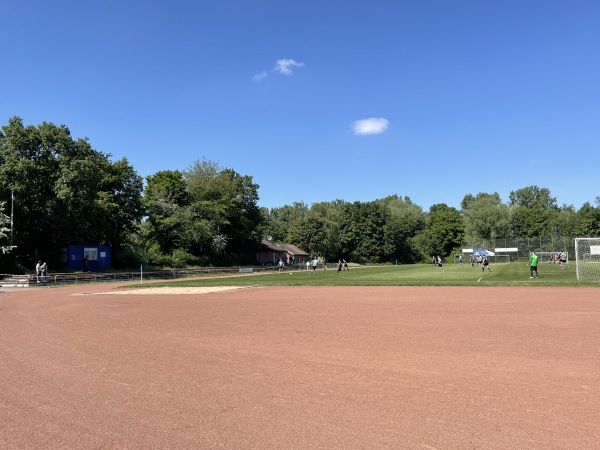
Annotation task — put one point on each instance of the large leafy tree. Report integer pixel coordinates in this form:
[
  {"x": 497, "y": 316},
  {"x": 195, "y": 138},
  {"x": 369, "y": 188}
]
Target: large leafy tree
[
  {"x": 329, "y": 213},
  {"x": 444, "y": 231},
  {"x": 225, "y": 203},
  {"x": 586, "y": 222},
  {"x": 310, "y": 234},
  {"x": 362, "y": 234},
  {"x": 5, "y": 244},
  {"x": 203, "y": 215},
  {"x": 65, "y": 192},
  {"x": 278, "y": 222},
  {"x": 533, "y": 197},
  {"x": 315, "y": 230},
  {"x": 170, "y": 217},
  {"x": 486, "y": 217},
  {"x": 404, "y": 221},
  {"x": 532, "y": 211}
]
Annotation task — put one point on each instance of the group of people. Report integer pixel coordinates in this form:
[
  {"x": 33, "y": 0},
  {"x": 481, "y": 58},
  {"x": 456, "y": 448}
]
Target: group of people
[
  {"x": 41, "y": 271},
  {"x": 533, "y": 262},
  {"x": 314, "y": 265},
  {"x": 560, "y": 258},
  {"x": 481, "y": 260},
  {"x": 342, "y": 264}
]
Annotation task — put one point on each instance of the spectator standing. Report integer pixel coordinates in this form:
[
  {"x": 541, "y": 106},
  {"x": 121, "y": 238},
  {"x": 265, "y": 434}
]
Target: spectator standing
[
  {"x": 38, "y": 271},
  {"x": 44, "y": 271}
]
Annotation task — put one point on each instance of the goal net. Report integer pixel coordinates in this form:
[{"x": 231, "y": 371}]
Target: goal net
[
  {"x": 587, "y": 259},
  {"x": 499, "y": 259}
]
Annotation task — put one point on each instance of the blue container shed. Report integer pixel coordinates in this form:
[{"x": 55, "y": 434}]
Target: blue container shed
[{"x": 88, "y": 257}]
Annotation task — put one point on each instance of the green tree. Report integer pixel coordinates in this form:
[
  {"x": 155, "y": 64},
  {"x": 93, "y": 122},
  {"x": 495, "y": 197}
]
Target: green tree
[
  {"x": 278, "y": 222},
  {"x": 5, "y": 244},
  {"x": 65, "y": 192},
  {"x": 405, "y": 220},
  {"x": 444, "y": 231},
  {"x": 586, "y": 222},
  {"x": 225, "y": 203},
  {"x": 532, "y": 197},
  {"x": 532, "y": 210},
  {"x": 119, "y": 202},
  {"x": 243, "y": 218},
  {"x": 310, "y": 235},
  {"x": 486, "y": 217},
  {"x": 329, "y": 214},
  {"x": 169, "y": 213},
  {"x": 362, "y": 232}
]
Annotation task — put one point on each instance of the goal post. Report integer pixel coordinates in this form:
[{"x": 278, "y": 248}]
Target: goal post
[
  {"x": 499, "y": 259},
  {"x": 587, "y": 259}
]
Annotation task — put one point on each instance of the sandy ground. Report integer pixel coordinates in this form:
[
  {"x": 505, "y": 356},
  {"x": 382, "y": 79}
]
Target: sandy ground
[
  {"x": 300, "y": 368},
  {"x": 171, "y": 290}
]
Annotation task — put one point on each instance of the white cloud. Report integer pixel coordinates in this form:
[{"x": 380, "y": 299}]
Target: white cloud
[
  {"x": 284, "y": 66},
  {"x": 373, "y": 125},
  {"x": 259, "y": 76}
]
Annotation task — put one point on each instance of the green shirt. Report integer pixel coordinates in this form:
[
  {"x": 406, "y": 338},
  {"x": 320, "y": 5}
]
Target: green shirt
[{"x": 533, "y": 259}]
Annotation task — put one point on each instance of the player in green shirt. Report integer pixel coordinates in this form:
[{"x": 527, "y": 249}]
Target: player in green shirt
[{"x": 533, "y": 261}]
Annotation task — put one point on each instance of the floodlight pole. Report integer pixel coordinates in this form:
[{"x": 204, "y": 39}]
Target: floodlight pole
[{"x": 12, "y": 210}]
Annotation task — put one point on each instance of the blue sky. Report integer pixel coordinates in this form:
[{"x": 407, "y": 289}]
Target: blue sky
[{"x": 322, "y": 100}]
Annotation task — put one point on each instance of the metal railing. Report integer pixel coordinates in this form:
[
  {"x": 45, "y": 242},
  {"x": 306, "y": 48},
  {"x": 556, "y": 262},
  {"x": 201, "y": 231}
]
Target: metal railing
[{"x": 52, "y": 279}]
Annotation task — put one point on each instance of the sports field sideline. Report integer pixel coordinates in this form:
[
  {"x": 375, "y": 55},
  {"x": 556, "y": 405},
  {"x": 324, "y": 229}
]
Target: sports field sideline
[{"x": 307, "y": 366}]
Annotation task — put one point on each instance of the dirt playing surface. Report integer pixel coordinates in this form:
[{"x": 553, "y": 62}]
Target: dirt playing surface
[{"x": 301, "y": 368}]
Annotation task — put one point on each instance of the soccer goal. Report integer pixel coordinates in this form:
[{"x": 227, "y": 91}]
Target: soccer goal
[
  {"x": 587, "y": 259},
  {"x": 499, "y": 259}
]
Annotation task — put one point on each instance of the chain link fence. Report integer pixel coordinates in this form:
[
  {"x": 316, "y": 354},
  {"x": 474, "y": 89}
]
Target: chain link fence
[{"x": 524, "y": 246}]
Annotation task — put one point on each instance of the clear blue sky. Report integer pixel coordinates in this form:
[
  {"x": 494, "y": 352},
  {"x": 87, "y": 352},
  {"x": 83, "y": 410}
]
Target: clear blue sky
[{"x": 322, "y": 100}]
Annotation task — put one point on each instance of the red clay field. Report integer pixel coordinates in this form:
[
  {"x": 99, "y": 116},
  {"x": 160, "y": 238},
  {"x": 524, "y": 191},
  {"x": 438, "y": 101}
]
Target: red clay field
[{"x": 301, "y": 368}]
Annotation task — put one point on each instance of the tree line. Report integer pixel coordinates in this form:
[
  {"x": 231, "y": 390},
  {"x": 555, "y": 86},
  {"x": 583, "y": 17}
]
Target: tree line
[{"x": 68, "y": 193}]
